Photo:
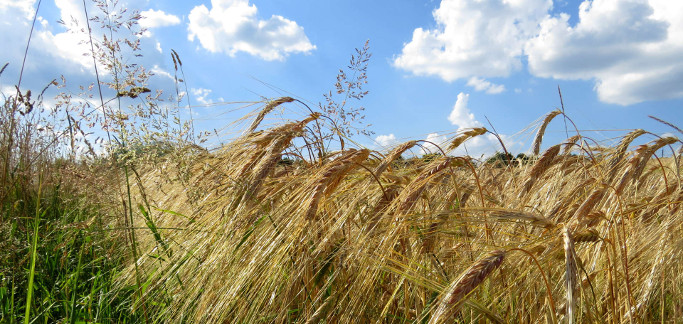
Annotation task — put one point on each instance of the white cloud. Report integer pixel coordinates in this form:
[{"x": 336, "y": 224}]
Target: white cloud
[
  {"x": 631, "y": 48},
  {"x": 386, "y": 140},
  {"x": 460, "y": 115},
  {"x": 157, "y": 70},
  {"x": 23, "y": 7},
  {"x": 483, "y": 85},
  {"x": 156, "y": 18},
  {"x": 473, "y": 38},
  {"x": 232, "y": 26},
  {"x": 49, "y": 52},
  {"x": 201, "y": 95}
]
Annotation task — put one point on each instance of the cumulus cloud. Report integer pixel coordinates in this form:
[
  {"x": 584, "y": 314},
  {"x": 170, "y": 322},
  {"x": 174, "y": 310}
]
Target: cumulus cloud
[
  {"x": 483, "y": 85},
  {"x": 232, "y": 26},
  {"x": 23, "y": 7},
  {"x": 460, "y": 115},
  {"x": 49, "y": 52},
  {"x": 473, "y": 38},
  {"x": 157, "y": 70},
  {"x": 157, "y": 18},
  {"x": 386, "y": 140},
  {"x": 201, "y": 95},
  {"x": 54, "y": 49},
  {"x": 631, "y": 49}
]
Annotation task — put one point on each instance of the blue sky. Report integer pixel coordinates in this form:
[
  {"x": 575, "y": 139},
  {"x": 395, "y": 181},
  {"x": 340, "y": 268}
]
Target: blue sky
[{"x": 437, "y": 67}]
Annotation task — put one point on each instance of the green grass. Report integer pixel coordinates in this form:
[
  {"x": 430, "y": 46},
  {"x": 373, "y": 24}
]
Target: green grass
[{"x": 60, "y": 264}]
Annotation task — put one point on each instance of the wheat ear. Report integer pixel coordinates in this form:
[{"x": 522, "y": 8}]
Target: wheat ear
[
  {"x": 539, "y": 136},
  {"x": 267, "y": 109},
  {"x": 467, "y": 135},
  {"x": 460, "y": 289},
  {"x": 570, "y": 275},
  {"x": 545, "y": 162},
  {"x": 393, "y": 156}
]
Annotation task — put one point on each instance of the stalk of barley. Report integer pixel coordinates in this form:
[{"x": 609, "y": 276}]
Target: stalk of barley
[
  {"x": 626, "y": 175},
  {"x": 418, "y": 185},
  {"x": 539, "y": 135},
  {"x": 266, "y": 110},
  {"x": 332, "y": 175},
  {"x": 621, "y": 150},
  {"x": 545, "y": 162},
  {"x": 385, "y": 200},
  {"x": 570, "y": 275},
  {"x": 590, "y": 202},
  {"x": 393, "y": 156},
  {"x": 658, "y": 202},
  {"x": 321, "y": 311},
  {"x": 274, "y": 152},
  {"x": 515, "y": 215},
  {"x": 645, "y": 155},
  {"x": 467, "y": 135},
  {"x": 589, "y": 235},
  {"x": 270, "y": 142},
  {"x": 569, "y": 143},
  {"x": 458, "y": 291}
]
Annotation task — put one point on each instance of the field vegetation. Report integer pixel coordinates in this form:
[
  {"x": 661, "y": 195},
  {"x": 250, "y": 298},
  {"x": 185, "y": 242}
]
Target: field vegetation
[{"x": 295, "y": 222}]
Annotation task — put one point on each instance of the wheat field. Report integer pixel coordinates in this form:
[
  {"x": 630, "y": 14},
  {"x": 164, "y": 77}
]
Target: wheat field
[{"x": 577, "y": 233}]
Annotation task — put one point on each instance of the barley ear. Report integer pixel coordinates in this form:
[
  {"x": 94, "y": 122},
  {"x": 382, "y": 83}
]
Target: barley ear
[
  {"x": 467, "y": 135},
  {"x": 267, "y": 109},
  {"x": 459, "y": 290},
  {"x": 570, "y": 276},
  {"x": 543, "y": 164},
  {"x": 539, "y": 136},
  {"x": 393, "y": 156}
]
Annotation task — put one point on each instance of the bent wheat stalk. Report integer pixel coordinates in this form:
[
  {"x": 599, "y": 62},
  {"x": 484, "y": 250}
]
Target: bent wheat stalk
[
  {"x": 266, "y": 110},
  {"x": 539, "y": 136},
  {"x": 459, "y": 290},
  {"x": 570, "y": 276}
]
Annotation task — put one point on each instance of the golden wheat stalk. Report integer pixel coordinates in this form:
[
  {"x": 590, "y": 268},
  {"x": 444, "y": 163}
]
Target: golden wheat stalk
[
  {"x": 467, "y": 135},
  {"x": 543, "y": 164},
  {"x": 539, "y": 135},
  {"x": 393, "y": 156},
  {"x": 332, "y": 175},
  {"x": 458, "y": 291},
  {"x": 570, "y": 275},
  {"x": 516, "y": 215},
  {"x": 421, "y": 182},
  {"x": 266, "y": 110}
]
